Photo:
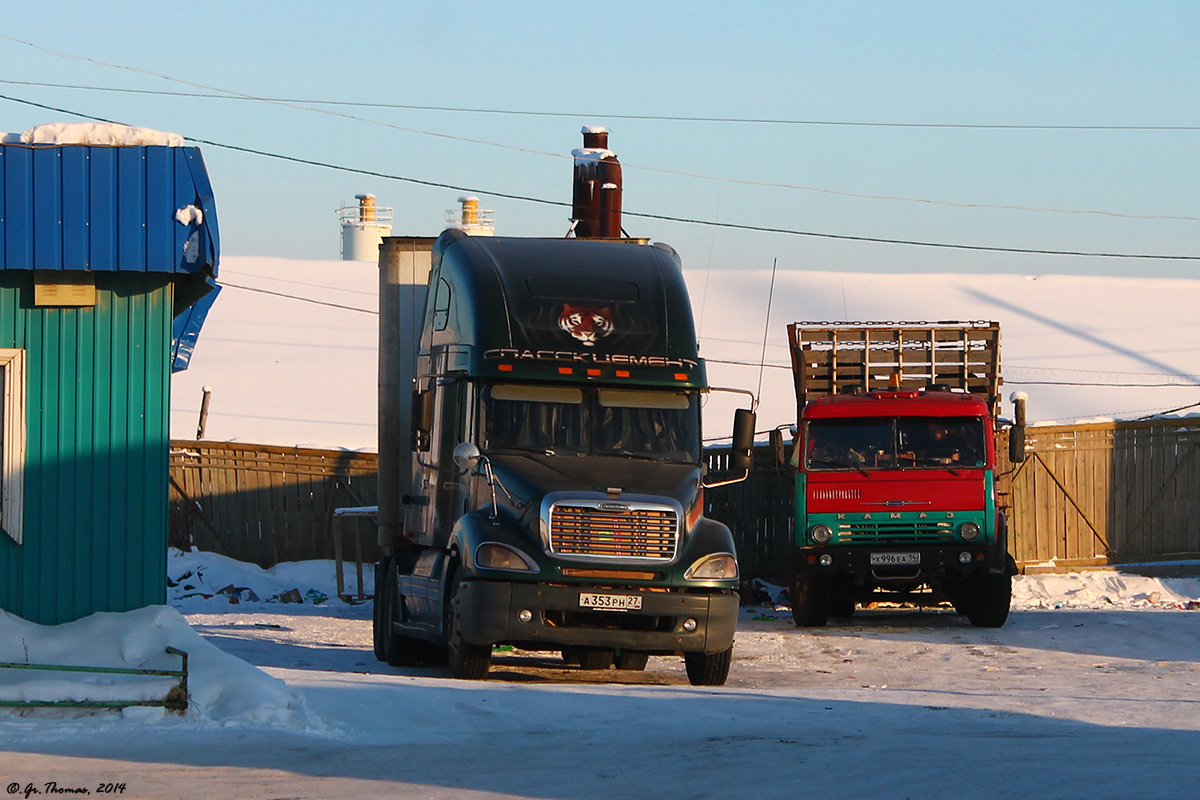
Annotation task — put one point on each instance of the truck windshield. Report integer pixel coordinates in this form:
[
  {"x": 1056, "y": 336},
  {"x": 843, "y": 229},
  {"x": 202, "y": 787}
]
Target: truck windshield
[
  {"x": 890, "y": 443},
  {"x": 566, "y": 420}
]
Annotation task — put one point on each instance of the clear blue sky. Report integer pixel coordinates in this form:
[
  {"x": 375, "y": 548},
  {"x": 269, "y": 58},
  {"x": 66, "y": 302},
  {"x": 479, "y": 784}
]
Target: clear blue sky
[{"x": 971, "y": 63}]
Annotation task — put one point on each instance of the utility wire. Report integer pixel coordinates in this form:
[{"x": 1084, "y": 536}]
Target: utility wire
[
  {"x": 229, "y": 94},
  {"x": 296, "y": 297},
  {"x": 593, "y": 114},
  {"x": 642, "y": 214}
]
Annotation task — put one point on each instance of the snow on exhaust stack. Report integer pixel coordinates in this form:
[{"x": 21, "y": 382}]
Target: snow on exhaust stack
[{"x": 596, "y": 195}]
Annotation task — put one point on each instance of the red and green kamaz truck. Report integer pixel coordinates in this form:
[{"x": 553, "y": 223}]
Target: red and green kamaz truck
[{"x": 895, "y": 461}]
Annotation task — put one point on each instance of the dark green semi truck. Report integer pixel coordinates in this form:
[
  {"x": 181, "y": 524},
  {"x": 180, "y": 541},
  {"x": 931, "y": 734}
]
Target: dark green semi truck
[{"x": 553, "y": 465}]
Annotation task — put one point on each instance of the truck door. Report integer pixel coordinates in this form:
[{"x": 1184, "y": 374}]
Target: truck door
[{"x": 446, "y": 489}]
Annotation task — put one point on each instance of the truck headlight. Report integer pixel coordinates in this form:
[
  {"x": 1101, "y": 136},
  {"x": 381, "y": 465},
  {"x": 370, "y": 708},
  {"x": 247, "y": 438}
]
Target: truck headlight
[
  {"x": 969, "y": 531},
  {"x": 714, "y": 567},
  {"x": 492, "y": 555},
  {"x": 821, "y": 534}
]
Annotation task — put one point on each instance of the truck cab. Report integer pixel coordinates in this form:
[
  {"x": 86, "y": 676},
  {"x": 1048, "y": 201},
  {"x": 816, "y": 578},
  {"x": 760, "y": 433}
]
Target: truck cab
[{"x": 556, "y": 497}]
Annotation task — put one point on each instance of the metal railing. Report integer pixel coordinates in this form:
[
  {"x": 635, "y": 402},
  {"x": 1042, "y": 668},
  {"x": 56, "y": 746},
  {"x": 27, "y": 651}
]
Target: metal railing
[{"x": 176, "y": 698}]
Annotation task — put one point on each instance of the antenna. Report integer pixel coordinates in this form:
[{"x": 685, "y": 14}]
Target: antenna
[{"x": 766, "y": 329}]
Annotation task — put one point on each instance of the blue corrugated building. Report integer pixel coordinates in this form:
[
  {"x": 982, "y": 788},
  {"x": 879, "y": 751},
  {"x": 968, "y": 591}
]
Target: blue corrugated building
[{"x": 108, "y": 256}]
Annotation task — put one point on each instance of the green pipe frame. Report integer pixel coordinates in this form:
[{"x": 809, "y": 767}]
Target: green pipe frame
[{"x": 176, "y": 699}]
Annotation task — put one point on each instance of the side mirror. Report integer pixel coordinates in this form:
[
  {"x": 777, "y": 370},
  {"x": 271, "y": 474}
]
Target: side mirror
[
  {"x": 1016, "y": 444},
  {"x": 1016, "y": 434},
  {"x": 422, "y": 411},
  {"x": 466, "y": 455},
  {"x": 743, "y": 440},
  {"x": 777, "y": 449}
]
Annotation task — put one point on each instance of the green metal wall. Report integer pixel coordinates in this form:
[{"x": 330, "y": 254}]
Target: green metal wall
[{"x": 98, "y": 382}]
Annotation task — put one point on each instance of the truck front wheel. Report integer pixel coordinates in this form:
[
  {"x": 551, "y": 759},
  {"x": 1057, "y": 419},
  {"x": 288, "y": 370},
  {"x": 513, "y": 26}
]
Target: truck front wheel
[
  {"x": 989, "y": 601},
  {"x": 708, "y": 669},
  {"x": 811, "y": 601},
  {"x": 468, "y": 661}
]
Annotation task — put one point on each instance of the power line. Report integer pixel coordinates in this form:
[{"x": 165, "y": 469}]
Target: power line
[
  {"x": 601, "y": 115},
  {"x": 229, "y": 94},
  {"x": 297, "y": 297},
  {"x": 642, "y": 214}
]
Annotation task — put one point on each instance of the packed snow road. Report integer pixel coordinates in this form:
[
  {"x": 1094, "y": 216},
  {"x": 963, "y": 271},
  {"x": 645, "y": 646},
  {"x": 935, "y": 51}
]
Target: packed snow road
[
  {"x": 1091, "y": 690},
  {"x": 893, "y": 704}
]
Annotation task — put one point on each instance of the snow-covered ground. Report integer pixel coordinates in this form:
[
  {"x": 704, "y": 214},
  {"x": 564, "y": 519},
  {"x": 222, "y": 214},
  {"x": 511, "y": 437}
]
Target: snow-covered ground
[
  {"x": 1090, "y": 691},
  {"x": 289, "y": 348}
]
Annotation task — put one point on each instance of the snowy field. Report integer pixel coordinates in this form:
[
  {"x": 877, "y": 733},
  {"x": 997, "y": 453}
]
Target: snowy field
[{"x": 1090, "y": 691}]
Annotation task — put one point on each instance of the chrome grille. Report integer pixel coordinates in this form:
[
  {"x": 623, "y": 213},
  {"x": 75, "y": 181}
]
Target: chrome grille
[
  {"x": 643, "y": 533},
  {"x": 895, "y": 531}
]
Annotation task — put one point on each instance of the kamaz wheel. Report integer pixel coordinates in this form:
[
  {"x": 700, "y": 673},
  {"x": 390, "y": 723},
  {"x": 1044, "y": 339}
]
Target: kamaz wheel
[
  {"x": 467, "y": 661},
  {"x": 811, "y": 601},
  {"x": 991, "y": 597},
  {"x": 708, "y": 669},
  {"x": 841, "y": 606}
]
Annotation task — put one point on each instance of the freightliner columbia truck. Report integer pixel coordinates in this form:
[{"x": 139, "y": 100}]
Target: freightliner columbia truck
[
  {"x": 554, "y": 485},
  {"x": 895, "y": 461}
]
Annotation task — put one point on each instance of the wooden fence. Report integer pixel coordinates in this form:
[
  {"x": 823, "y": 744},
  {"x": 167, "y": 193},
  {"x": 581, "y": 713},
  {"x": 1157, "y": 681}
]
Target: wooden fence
[
  {"x": 265, "y": 504},
  {"x": 1110, "y": 493},
  {"x": 1107, "y": 493}
]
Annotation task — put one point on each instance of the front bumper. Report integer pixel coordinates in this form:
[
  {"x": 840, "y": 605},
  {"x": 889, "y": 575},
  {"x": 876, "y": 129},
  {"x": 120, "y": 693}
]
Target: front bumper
[
  {"x": 935, "y": 560},
  {"x": 490, "y": 610}
]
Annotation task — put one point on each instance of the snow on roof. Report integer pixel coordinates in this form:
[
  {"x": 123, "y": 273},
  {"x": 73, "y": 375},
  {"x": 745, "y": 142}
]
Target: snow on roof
[{"x": 94, "y": 133}]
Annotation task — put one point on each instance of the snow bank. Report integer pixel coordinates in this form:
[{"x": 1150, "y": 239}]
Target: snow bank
[
  {"x": 222, "y": 689},
  {"x": 1104, "y": 590},
  {"x": 200, "y": 576}
]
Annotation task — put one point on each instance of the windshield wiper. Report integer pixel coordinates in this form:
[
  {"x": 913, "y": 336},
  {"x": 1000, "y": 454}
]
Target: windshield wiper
[
  {"x": 627, "y": 454},
  {"x": 944, "y": 463},
  {"x": 844, "y": 464},
  {"x": 541, "y": 451}
]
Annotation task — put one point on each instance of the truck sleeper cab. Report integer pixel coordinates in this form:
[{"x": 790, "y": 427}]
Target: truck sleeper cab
[{"x": 557, "y": 494}]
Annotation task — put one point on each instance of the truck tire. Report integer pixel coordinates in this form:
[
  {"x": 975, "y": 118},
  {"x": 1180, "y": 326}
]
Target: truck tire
[
  {"x": 393, "y": 648},
  {"x": 631, "y": 660},
  {"x": 708, "y": 669},
  {"x": 991, "y": 597},
  {"x": 467, "y": 661},
  {"x": 841, "y": 606},
  {"x": 377, "y": 605},
  {"x": 595, "y": 657},
  {"x": 811, "y": 601}
]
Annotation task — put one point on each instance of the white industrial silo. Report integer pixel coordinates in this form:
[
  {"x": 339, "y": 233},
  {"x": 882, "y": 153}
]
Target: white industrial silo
[
  {"x": 472, "y": 219},
  {"x": 363, "y": 228}
]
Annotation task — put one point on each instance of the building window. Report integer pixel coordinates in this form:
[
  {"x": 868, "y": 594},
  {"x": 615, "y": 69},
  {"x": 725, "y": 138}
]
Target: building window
[{"x": 12, "y": 441}]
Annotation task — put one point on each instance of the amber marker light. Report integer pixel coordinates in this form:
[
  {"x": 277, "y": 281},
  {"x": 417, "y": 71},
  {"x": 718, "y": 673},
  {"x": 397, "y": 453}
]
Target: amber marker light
[
  {"x": 504, "y": 367},
  {"x": 564, "y": 370},
  {"x": 681, "y": 376},
  {"x": 593, "y": 373},
  {"x": 622, "y": 373}
]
